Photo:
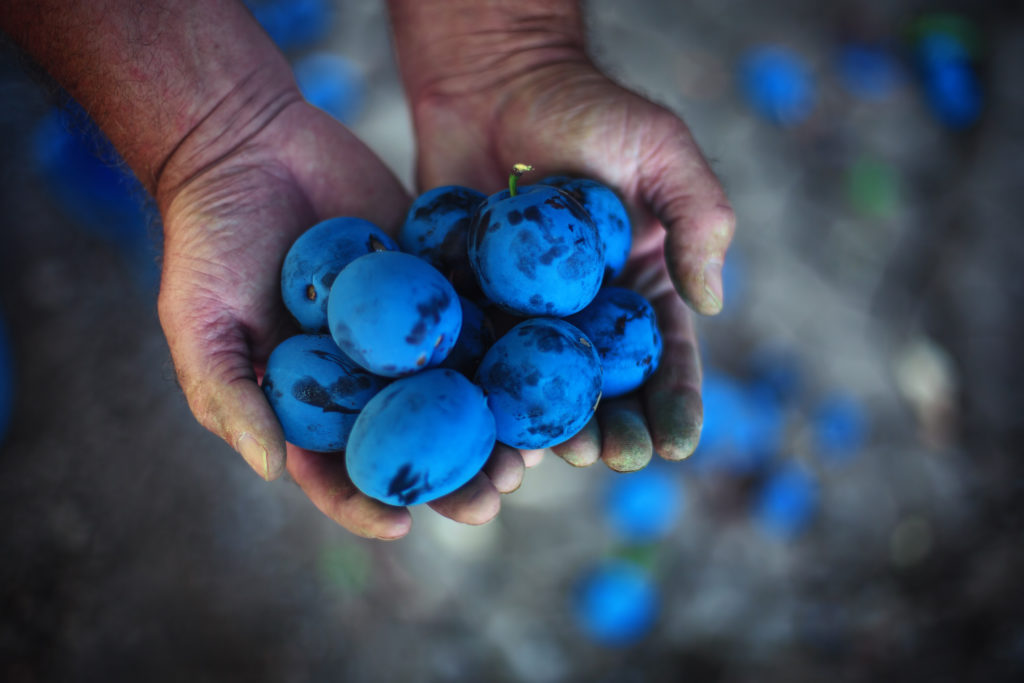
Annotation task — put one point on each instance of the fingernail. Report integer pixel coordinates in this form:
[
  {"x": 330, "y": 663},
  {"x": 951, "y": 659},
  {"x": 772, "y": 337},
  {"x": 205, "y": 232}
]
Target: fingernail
[
  {"x": 254, "y": 453},
  {"x": 713, "y": 286}
]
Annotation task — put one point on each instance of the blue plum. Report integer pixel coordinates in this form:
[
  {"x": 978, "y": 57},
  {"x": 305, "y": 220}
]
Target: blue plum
[
  {"x": 609, "y": 215},
  {"x": 616, "y": 603},
  {"x": 543, "y": 382},
  {"x": 787, "y": 501},
  {"x": 420, "y": 438},
  {"x": 316, "y": 258},
  {"x": 643, "y": 506},
  {"x": 623, "y": 328},
  {"x": 475, "y": 337},
  {"x": 537, "y": 253},
  {"x": 435, "y": 230},
  {"x": 393, "y": 313},
  {"x": 316, "y": 391}
]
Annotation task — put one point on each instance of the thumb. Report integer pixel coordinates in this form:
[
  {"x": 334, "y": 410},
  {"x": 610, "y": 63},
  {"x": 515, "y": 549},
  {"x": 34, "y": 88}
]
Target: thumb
[
  {"x": 213, "y": 364},
  {"x": 687, "y": 198}
]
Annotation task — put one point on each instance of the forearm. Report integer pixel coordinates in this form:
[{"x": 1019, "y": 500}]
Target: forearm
[
  {"x": 175, "y": 78},
  {"x": 456, "y": 47}
]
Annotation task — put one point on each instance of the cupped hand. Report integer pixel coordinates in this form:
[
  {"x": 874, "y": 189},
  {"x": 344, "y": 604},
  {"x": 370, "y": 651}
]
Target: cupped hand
[
  {"x": 228, "y": 223},
  {"x": 567, "y": 117}
]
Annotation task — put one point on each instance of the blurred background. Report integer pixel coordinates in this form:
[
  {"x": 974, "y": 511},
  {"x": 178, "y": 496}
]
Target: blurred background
[{"x": 852, "y": 512}]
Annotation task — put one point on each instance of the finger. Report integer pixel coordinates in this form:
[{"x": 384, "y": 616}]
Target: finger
[
  {"x": 584, "y": 448},
  {"x": 532, "y": 456},
  {"x": 688, "y": 200},
  {"x": 626, "y": 441},
  {"x": 324, "y": 479},
  {"x": 476, "y": 502},
  {"x": 671, "y": 395},
  {"x": 505, "y": 468},
  {"x": 214, "y": 368}
]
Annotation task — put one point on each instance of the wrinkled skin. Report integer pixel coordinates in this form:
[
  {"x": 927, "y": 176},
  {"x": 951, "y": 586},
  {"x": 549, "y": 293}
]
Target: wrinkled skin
[{"x": 567, "y": 117}]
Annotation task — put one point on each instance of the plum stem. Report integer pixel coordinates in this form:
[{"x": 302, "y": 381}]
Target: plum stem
[{"x": 513, "y": 178}]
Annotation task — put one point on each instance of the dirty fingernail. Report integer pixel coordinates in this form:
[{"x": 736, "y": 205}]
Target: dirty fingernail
[
  {"x": 713, "y": 286},
  {"x": 254, "y": 453}
]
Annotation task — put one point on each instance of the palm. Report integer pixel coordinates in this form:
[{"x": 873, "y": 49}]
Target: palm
[
  {"x": 227, "y": 232},
  {"x": 572, "y": 119}
]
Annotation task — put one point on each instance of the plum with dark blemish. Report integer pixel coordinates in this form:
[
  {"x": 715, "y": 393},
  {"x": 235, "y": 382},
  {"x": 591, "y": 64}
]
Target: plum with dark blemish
[
  {"x": 475, "y": 337},
  {"x": 420, "y": 438},
  {"x": 435, "y": 230},
  {"x": 536, "y": 252},
  {"x": 316, "y": 391},
  {"x": 316, "y": 258},
  {"x": 393, "y": 313},
  {"x": 624, "y": 330},
  {"x": 609, "y": 215},
  {"x": 543, "y": 382}
]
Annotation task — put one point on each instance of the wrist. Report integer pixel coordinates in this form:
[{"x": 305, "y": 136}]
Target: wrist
[
  {"x": 454, "y": 48},
  {"x": 164, "y": 81}
]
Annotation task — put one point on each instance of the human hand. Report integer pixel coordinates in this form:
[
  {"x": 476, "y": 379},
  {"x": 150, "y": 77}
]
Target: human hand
[
  {"x": 227, "y": 229},
  {"x": 564, "y": 116}
]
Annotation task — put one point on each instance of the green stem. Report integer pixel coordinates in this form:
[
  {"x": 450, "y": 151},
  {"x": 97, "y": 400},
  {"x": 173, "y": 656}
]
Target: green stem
[{"x": 513, "y": 179}]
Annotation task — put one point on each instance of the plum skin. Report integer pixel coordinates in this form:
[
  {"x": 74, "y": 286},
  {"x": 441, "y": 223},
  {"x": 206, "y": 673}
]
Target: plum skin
[
  {"x": 420, "y": 438},
  {"x": 543, "y": 383},
  {"x": 475, "y": 337},
  {"x": 624, "y": 329},
  {"x": 393, "y": 313},
  {"x": 315, "y": 259},
  {"x": 435, "y": 230},
  {"x": 537, "y": 253},
  {"x": 609, "y": 216},
  {"x": 316, "y": 391}
]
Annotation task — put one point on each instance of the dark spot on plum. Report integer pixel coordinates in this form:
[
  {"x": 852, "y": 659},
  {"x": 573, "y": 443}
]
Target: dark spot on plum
[
  {"x": 557, "y": 251},
  {"x": 307, "y": 390},
  {"x": 406, "y": 484},
  {"x": 503, "y": 376},
  {"x": 532, "y": 214},
  {"x": 536, "y": 300},
  {"x": 551, "y": 431},
  {"x": 526, "y": 252},
  {"x": 514, "y": 217},
  {"x": 555, "y": 389},
  {"x": 549, "y": 340},
  {"x": 533, "y": 378},
  {"x": 555, "y": 202},
  {"x": 646, "y": 361},
  {"x": 268, "y": 383},
  {"x": 620, "y": 324},
  {"x": 430, "y": 314}
]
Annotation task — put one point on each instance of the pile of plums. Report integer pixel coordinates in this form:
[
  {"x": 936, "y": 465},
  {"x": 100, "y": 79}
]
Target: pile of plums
[{"x": 486, "y": 321}]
